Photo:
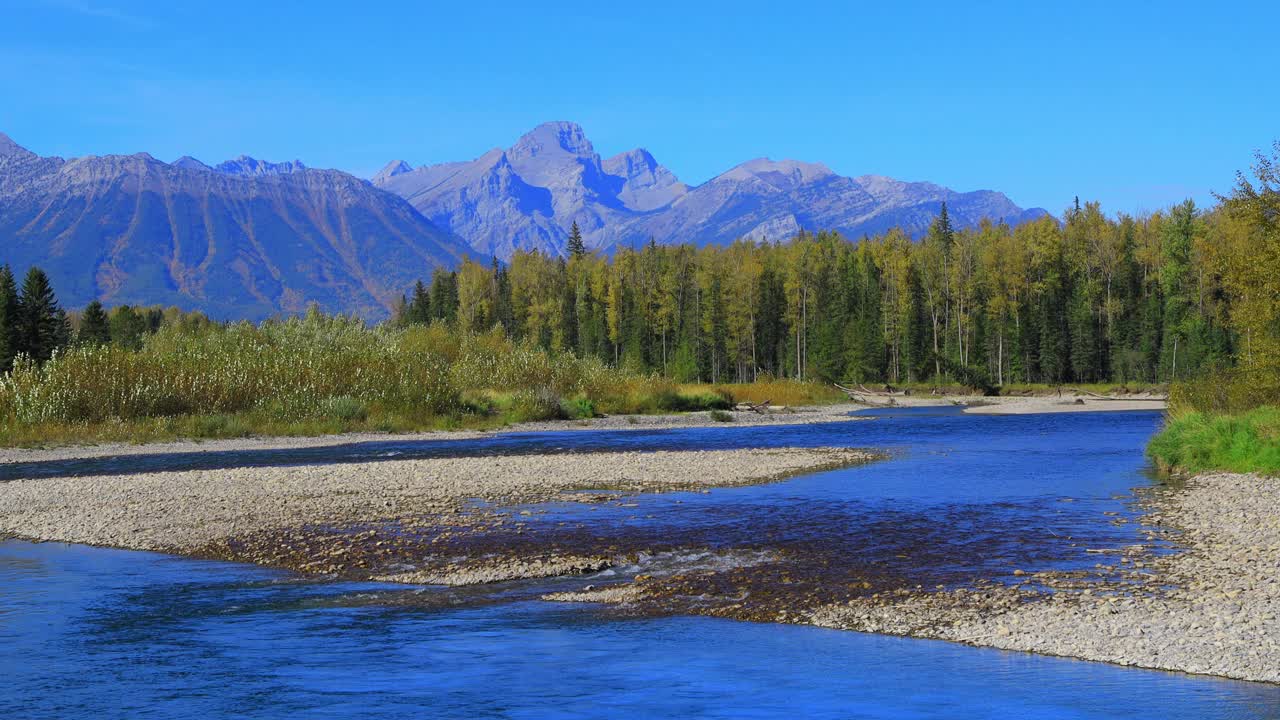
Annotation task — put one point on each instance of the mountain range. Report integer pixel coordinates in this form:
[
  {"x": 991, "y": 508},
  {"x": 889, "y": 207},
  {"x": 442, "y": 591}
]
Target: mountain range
[
  {"x": 529, "y": 195},
  {"x": 248, "y": 238},
  {"x": 244, "y": 239}
]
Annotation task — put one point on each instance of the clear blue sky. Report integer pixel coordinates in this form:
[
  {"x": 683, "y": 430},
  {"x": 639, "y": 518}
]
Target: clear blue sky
[{"x": 1135, "y": 104}]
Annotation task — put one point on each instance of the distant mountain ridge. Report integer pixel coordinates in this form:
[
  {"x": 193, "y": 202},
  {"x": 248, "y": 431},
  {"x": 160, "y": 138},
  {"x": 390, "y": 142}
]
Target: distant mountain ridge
[
  {"x": 250, "y": 238},
  {"x": 244, "y": 239},
  {"x": 528, "y": 196}
]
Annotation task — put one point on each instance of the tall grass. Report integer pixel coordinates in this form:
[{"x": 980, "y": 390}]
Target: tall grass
[
  {"x": 321, "y": 374},
  {"x": 1243, "y": 442},
  {"x": 312, "y": 368},
  {"x": 1229, "y": 420}
]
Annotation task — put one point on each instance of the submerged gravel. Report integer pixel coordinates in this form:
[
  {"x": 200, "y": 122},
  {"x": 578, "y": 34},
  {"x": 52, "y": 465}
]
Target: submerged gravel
[{"x": 1210, "y": 609}]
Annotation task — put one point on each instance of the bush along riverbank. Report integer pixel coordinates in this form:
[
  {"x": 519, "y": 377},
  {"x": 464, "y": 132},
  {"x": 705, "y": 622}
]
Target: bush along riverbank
[
  {"x": 1196, "y": 442},
  {"x": 323, "y": 374}
]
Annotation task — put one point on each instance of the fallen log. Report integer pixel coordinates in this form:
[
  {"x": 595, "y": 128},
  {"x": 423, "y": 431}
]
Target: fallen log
[{"x": 1096, "y": 396}]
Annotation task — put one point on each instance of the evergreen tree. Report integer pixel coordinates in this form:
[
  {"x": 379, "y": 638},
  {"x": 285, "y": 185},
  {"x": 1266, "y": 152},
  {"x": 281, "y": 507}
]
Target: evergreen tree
[
  {"x": 503, "y": 314},
  {"x": 62, "y": 334},
  {"x": 771, "y": 301},
  {"x": 41, "y": 328},
  {"x": 873, "y": 358},
  {"x": 575, "y": 245},
  {"x": 1176, "y": 241},
  {"x": 94, "y": 326},
  {"x": 10, "y": 319},
  {"x": 941, "y": 231},
  {"x": 444, "y": 296},
  {"x": 418, "y": 310},
  {"x": 568, "y": 309},
  {"x": 916, "y": 352},
  {"x": 128, "y": 327}
]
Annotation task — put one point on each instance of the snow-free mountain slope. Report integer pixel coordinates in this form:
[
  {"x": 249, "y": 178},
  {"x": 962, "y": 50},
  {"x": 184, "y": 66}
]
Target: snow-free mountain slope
[
  {"x": 132, "y": 229},
  {"x": 528, "y": 196}
]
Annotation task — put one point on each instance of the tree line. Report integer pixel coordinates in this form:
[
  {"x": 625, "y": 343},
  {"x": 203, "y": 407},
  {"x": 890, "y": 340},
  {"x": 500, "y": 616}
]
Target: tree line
[
  {"x": 1090, "y": 298},
  {"x": 33, "y": 323}
]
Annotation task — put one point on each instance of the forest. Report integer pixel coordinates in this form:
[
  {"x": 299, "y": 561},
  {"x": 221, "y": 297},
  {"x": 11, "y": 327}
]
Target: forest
[{"x": 1090, "y": 298}]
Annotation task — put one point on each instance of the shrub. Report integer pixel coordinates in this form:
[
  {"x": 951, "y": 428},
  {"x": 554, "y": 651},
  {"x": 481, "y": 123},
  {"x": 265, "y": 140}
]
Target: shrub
[
  {"x": 579, "y": 408},
  {"x": 539, "y": 404},
  {"x": 219, "y": 426},
  {"x": 721, "y": 416},
  {"x": 346, "y": 409},
  {"x": 1230, "y": 391}
]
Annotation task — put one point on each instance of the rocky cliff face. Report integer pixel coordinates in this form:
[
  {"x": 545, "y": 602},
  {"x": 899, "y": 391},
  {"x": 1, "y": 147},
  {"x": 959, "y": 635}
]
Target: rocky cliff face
[
  {"x": 249, "y": 239},
  {"x": 529, "y": 195}
]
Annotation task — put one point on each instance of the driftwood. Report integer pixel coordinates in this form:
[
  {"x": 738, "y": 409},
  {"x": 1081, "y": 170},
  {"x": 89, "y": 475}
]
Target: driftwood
[
  {"x": 860, "y": 396},
  {"x": 760, "y": 407},
  {"x": 863, "y": 390},
  {"x": 1096, "y": 396}
]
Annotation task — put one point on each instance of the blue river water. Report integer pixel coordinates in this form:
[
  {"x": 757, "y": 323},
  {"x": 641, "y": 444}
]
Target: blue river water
[{"x": 98, "y": 633}]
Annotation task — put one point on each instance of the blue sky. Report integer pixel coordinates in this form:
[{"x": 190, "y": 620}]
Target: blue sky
[{"x": 1137, "y": 105}]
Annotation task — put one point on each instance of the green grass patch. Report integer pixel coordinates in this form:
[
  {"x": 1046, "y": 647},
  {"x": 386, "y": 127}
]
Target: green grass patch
[{"x": 1199, "y": 442}]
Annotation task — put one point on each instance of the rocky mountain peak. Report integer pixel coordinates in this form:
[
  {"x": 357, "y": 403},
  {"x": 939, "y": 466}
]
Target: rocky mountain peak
[
  {"x": 631, "y": 163},
  {"x": 646, "y": 185},
  {"x": 780, "y": 174},
  {"x": 10, "y": 148},
  {"x": 187, "y": 162},
  {"x": 390, "y": 170},
  {"x": 245, "y": 165},
  {"x": 553, "y": 138}
]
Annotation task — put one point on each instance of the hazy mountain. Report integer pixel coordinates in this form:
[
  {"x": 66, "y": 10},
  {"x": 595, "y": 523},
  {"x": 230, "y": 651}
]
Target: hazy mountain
[
  {"x": 528, "y": 196},
  {"x": 245, "y": 165},
  {"x": 392, "y": 169},
  {"x": 245, "y": 241},
  {"x": 190, "y": 163}
]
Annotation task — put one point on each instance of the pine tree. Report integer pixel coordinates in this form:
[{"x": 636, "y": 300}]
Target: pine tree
[
  {"x": 503, "y": 313},
  {"x": 941, "y": 230},
  {"x": 94, "y": 328},
  {"x": 62, "y": 334},
  {"x": 916, "y": 352},
  {"x": 418, "y": 311},
  {"x": 444, "y": 295},
  {"x": 127, "y": 327},
  {"x": 575, "y": 246},
  {"x": 568, "y": 308},
  {"x": 10, "y": 319},
  {"x": 40, "y": 327}
]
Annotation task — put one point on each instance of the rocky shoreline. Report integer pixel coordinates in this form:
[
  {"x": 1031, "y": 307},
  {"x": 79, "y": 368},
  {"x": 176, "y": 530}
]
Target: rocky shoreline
[
  {"x": 1209, "y": 606},
  {"x": 191, "y": 512}
]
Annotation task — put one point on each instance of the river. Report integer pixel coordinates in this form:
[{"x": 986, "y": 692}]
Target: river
[{"x": 99, "y": 633}]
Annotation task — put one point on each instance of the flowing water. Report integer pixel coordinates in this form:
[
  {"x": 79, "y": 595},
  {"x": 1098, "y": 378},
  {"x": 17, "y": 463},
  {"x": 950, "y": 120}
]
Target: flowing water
[{"x": 96, "y": 633}]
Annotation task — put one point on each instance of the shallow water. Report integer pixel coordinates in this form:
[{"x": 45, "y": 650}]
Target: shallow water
[{"x": 88, "y": 632}]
